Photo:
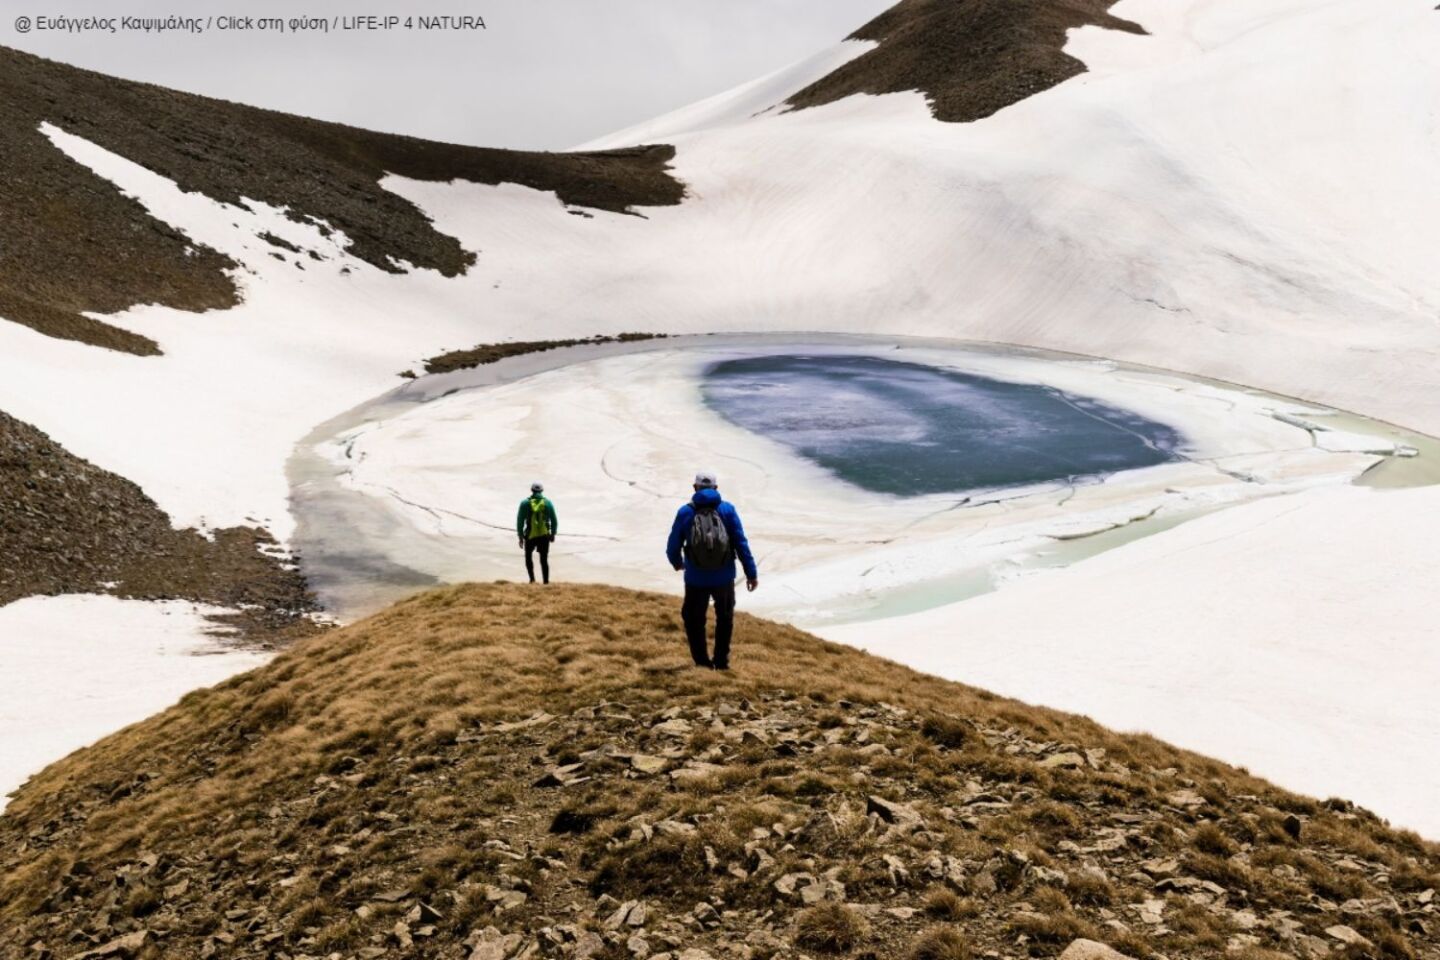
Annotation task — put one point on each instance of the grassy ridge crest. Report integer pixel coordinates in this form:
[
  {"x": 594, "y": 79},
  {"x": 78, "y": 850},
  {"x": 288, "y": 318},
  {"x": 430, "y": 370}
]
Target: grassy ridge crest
[{"x": 494, "y": 771}]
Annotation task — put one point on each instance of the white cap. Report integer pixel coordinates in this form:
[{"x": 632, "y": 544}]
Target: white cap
[
  {"x": 705, "y": 479},
  {"x": 537, "y": 487}
]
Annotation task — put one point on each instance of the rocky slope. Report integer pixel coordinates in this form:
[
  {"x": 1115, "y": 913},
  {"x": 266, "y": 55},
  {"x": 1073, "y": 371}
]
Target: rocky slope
[
  {"x": 969, "y": 57},
  {"x": 484, "y": 353},
  {"x": 66, "y": 526},
  {"x": 75, "y": 245},
  {"x": 492, "y": 772}
]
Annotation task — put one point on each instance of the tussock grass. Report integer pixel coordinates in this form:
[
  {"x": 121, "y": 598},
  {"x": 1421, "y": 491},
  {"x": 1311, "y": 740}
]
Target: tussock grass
[
  {"x": 830, "y": 928},
  {"x": 939, "y": 943},
  {"x": 944, "y": 904}
]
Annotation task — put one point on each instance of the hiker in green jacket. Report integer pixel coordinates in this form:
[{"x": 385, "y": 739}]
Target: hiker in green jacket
[{"x": 537, "y": 526}]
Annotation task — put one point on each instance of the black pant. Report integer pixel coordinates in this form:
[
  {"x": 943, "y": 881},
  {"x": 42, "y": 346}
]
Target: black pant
[
  {"x": 693, "y": 612},
  {"x": 542, "y": 545}
]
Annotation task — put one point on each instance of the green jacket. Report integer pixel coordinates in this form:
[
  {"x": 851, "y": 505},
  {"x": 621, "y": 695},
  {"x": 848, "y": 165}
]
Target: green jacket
[{"x": 536, "y": 519}]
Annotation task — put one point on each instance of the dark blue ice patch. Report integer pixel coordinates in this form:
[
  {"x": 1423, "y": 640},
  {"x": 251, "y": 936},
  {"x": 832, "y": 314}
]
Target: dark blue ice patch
[{"x": 908, "y": 429}]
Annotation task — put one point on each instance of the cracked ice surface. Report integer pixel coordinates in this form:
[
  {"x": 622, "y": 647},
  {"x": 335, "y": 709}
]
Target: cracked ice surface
[{"x": 616, "y": 441}]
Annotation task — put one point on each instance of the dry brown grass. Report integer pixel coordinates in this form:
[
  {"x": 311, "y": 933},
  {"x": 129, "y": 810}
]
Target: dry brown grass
[
  {"x": 830, "y": 928},
  {"x": 385, "y": 757},
  {"x": 939, "y": 943},
  {"x": 944, "y": 904}
]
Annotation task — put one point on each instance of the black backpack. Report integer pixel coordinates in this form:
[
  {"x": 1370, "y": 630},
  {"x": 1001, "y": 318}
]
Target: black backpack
[{"x": 708, "y": 546}]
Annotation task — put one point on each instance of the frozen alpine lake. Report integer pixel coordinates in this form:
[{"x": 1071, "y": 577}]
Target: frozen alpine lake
[{"x": 910, "y": 474}]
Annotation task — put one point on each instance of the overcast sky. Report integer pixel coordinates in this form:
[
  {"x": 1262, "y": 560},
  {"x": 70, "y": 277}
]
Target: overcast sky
[{"x": 543, "y": 74}]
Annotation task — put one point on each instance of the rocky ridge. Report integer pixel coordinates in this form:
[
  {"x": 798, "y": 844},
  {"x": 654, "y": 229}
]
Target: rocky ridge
[{"x": 971, "y": 58}]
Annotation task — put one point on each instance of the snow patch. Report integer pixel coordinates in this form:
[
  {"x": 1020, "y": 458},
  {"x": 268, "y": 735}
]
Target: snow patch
[
  {"x": 1294, "y": 636},
  {"x": 765, "y": 95},
  {"x": 123, "y": 661}
]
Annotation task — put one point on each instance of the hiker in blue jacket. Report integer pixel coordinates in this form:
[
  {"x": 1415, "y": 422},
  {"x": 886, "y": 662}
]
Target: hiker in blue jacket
[{"x": 704, "y": 542}]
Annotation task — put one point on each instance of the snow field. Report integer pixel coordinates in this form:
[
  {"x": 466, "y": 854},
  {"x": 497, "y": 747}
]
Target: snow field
[
  {"x": 1293, "y": 636},
  {"x": 76, "y": 668}
]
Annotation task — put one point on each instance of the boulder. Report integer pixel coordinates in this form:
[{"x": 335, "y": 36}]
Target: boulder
[
  {"x": 644, "y": 763},
  {"x": 401, "y": 933},
  {"x": 1161, "y": 869},
  {"x": 825, "y": 889},
  {"x": 1185, "y": 799},
  {"x": 705, "y": 915},
  {"x": 695, "y": 770},
  {"x": 621, "y": 915},
  {"x": 788, "y": 884},
  {"x": 675, "y": 727},
  {"x": 562, "y": 776},
  {"x": 1069, "y": 761},
  {"x": 1049, "y": 875},
  {"x": 587, "y": 944},
  {"x": 1091, "y": 950},
  {"x": 539, "y": 719},
  {"x": 1151, "y": 911},
  {"x": 901, "y": 815},
  {"x": 1348, "y": 935},
  {"x": 491, "y": 944},
  {"x": 125, "y": 946}
]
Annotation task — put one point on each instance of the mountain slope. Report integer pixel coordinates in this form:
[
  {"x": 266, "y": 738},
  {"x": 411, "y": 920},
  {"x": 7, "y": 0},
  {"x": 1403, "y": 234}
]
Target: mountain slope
[
  {"x": 67, "y": 526},
  {"x": 1201, "y": 199},
  {"x": 73, "y": 245},
  {"x": 526, "y": 769}
]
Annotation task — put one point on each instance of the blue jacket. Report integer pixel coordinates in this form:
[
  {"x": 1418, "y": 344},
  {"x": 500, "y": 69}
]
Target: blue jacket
[{"x": 739, "y": 546}]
